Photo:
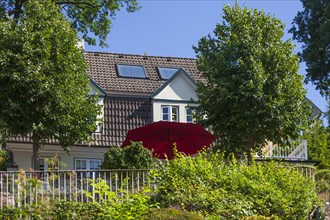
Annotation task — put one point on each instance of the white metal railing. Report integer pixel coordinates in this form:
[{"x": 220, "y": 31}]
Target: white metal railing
[
  {"x": 297, "y": 151},
  {"x": 19, "y": 188}
]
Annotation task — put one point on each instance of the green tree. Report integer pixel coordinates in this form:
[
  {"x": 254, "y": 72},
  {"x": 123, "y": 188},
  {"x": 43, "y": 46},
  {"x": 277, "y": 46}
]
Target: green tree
[
  {"x": 311, "y": 27},
  {"x": 43, "y": 79},
  {"x": 318, "y": 140},
  {"x": 252, "y": 92},
  {"x": 85, "y": 15},
  {"x": 134, "y": 156}
]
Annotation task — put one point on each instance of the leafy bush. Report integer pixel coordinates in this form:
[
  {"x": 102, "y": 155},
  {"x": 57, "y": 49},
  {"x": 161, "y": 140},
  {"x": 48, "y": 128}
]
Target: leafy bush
[
  {"x": 171, "y": 214},
  {"x": 10, "y": 213},
  {"x": 75, "y": 210},
  {"x": 3, "y": 160},
  {"x": 259, "y": 217},
  {"x": 232, "y": 190},
  {"x": 134, "y": 156},
  {"x": 323, "y": 185},
  {"x": 111, "y": 206},
  {"x": 318, "y": 140}
]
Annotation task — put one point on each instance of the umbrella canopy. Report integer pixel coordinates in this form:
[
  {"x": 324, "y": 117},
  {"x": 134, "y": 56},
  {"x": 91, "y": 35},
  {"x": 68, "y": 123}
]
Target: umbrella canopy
[{"x": 160, "y": 137}]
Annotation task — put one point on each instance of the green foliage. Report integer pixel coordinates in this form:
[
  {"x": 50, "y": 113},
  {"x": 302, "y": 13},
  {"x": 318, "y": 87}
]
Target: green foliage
[
  {"x": 311, "y": 27},
  {"x": 111, "y": 206},
  {"x": 318, "y": 141},
  {"x": 10, "y": 213},
  {"x": 93, "y": 16},
  {"x": 171, "y": 214},
  {"x": 323, "y": 181},
  {"x": 252, "y": 92},
  {"x": 75, "y": 210},
  {"x": 231, "y": 190},
  {"x": 3, "y": 160},
  {"x": 43, "y": 78},
  {"x": 259, "y": 217},
  {"x": 134, "y": 156}
]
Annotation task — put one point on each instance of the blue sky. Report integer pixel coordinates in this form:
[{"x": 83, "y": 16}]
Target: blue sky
[{"x": 172, "y": 27}]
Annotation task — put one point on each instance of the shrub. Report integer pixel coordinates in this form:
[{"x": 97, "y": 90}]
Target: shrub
[
  {"x": 75, "y": 210},
  {"x": 232, "y": 190},
  {"x": 323, "y": 184},
  {"x": 259, "y": 217},
  {"x": 323, "y": 179},
  {"x": 111, "y": 206},
  {"x": 134, "y": 156},
  {"x": 3, "y": 160},
  {"x": 171, "y": 214},
  {"x": 10, "y": 213}
]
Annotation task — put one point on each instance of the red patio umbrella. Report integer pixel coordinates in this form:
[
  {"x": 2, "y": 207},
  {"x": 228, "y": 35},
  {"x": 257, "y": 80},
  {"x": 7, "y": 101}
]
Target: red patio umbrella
[{"x": 160, "y": 137}]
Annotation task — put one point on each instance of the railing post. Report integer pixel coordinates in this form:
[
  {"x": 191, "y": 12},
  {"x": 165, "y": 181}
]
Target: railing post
[
  {"x": 270, "y": 149},
  {"x": 64, "y": 185},
  {"x": 305, "y": 148}
]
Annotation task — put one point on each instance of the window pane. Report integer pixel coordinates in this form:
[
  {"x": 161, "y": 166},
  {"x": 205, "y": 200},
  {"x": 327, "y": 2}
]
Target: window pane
[
  {"x": 175, "y": 111},
  {"x": 94, "y": 164},
  {"x": 84, "y": 165},
  {"x": 165, "y": 109},
  {"x": 189, "y": 118},
  {"x": 165, "y": 113},
  {"x": 131, "y": 71},
  {"x": 81, "y": 164},
  {"x": 97, "y": 164},
  {"x": 165, "y": 117},
  {"x": 166, "y": 72},
  {"x": 78, "y": 165}
]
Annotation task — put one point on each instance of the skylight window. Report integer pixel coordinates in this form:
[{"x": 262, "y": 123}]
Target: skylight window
[
  {"x": 133, "y": 71},
  {"x": 167, "y": 72}
]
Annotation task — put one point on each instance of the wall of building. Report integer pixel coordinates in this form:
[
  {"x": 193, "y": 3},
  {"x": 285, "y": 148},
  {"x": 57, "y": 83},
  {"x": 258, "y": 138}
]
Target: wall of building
[
  {"x": 22, "y": 154},
  {"x": 157, "y": 109}
]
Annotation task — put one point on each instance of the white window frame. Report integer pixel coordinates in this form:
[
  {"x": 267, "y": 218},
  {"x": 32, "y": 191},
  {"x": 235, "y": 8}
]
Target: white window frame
[
  {"x": 88, "y": 161},
  {"x": 43, "y": 162},
  {"x": 170, "y": 113},
  {"x": 189, "y": 115}
]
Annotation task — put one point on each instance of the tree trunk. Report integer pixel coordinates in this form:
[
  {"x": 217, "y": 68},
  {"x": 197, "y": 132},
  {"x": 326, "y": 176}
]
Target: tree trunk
[
  {"x": 36, "y": 151},
  {"x": 249, "y": 148},
  {"x": 3, "y": 140}
]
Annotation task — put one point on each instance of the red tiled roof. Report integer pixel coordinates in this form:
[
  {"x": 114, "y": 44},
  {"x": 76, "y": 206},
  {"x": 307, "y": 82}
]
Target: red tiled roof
[{"x": 102, "y": 69}]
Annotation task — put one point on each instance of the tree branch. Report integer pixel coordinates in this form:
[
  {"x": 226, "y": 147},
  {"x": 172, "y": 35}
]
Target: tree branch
[{"x": 77, "y": 3}]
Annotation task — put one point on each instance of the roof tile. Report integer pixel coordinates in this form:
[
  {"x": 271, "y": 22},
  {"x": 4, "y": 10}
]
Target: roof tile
[{"x": 102, "y": 69}]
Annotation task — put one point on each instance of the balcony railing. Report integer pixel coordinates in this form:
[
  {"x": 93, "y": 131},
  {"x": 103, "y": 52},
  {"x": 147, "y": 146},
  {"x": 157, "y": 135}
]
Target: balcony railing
[
  {"x": 19, "y": 188},
  {"x": 297, "y": 151},
  {"x": 22, "y": 188}
]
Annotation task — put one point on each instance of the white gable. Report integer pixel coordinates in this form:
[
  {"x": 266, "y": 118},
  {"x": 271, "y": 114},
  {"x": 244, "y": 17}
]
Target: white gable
[
  {"x": 180, "y": 88},
  {"x": 93, "y": 90}
]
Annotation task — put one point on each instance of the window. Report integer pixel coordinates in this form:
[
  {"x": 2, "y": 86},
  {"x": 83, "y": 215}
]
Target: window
[
  {"x": 49, "y": 163},
  {"x": 189, "y": 115},
  {"x": 133, "y": 71},
  {"x": 87, "y": 164},
  {"x": 170, "y": 113},
  {"x": 167, "y": 72}
]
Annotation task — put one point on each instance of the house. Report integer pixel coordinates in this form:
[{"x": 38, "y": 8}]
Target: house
[{"x": 134, "y": 90}]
